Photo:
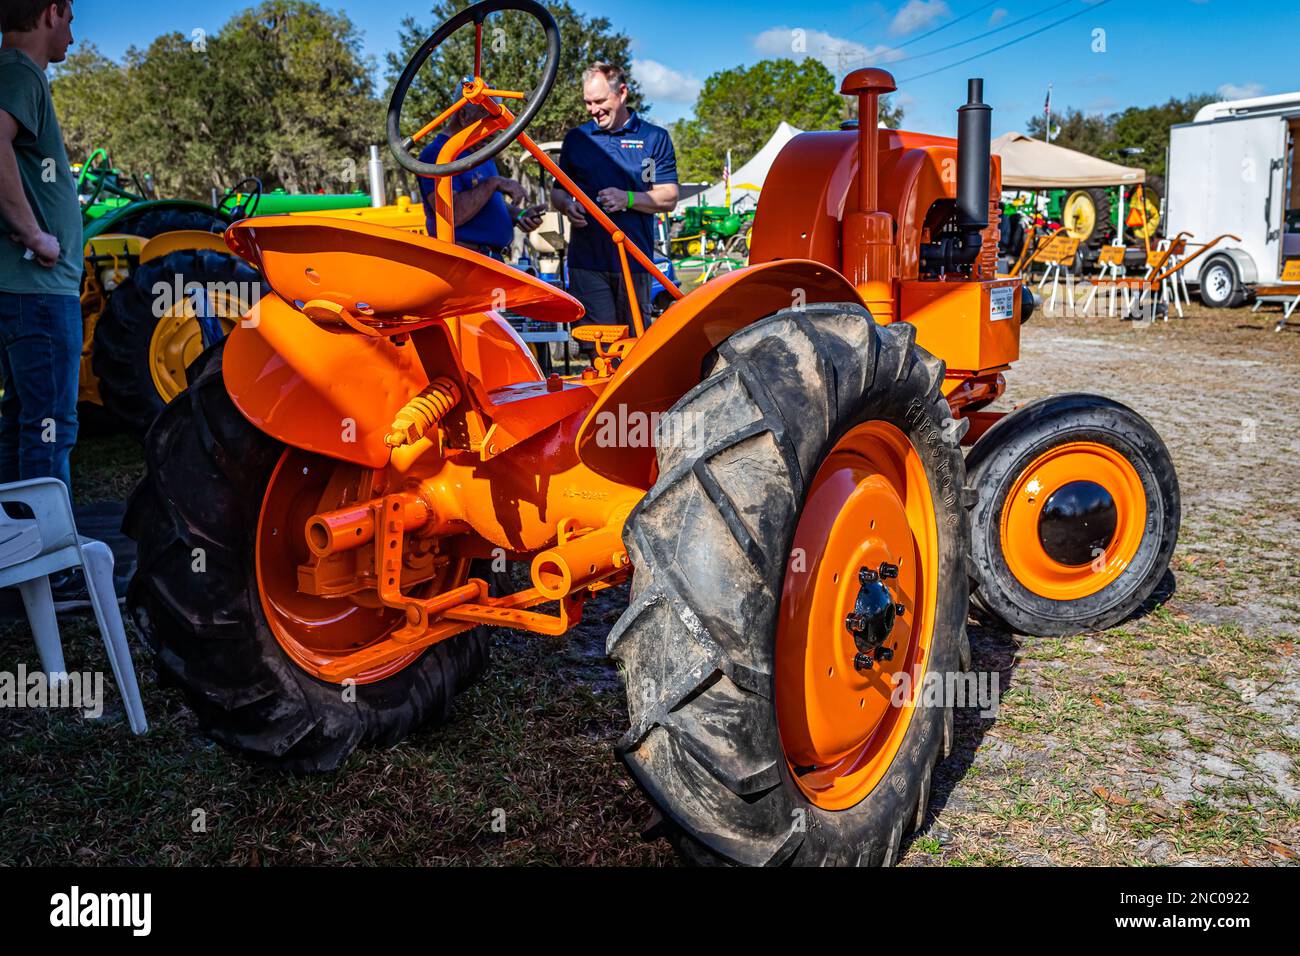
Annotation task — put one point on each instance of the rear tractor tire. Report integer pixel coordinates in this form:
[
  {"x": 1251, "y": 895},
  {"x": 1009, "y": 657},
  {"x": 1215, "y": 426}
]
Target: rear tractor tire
[
  {"x": 1077, "y": 518},
  {"x": 140, "y": 357},
  {"x": 207, "y": 496},
  {"x": 1085, "y": 214},
  {"x": 813, "y": 484}
]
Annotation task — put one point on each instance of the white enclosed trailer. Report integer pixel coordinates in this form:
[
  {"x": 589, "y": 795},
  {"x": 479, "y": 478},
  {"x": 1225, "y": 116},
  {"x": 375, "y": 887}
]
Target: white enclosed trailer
[{"x": 1233, "y": 169}]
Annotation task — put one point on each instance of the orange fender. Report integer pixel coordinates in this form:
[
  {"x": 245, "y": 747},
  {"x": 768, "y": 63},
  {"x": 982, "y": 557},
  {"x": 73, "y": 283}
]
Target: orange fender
[
  {"x": 337, "y": 394},
  {"x": 665, "y": 363}
]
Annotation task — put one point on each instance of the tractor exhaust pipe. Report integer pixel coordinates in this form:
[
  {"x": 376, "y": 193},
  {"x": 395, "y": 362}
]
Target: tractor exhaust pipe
[
  {"x": 378, "y": 190},
  {"x": 973, "y": 147},
  {"x": 960, "y": 247}
]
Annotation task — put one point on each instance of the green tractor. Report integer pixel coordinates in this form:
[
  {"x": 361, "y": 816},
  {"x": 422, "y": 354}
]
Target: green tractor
[
  {"x": 160, "y": 285},
  {"x": 1089, "y": 215},
  {"x": 278, "y": 202},
  {"x": 704, "y": 230},
  {"x": 138, "y": 331},
  {"x": 103, "y": 188}
]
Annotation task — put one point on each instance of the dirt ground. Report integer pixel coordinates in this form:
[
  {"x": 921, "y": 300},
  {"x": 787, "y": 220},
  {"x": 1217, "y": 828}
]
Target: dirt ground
[{"x": 1171, "y": 739}]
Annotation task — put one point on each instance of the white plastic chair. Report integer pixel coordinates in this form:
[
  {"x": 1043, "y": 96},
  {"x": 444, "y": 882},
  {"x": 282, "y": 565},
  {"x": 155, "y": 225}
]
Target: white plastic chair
[{"x": 32, "y": 550}]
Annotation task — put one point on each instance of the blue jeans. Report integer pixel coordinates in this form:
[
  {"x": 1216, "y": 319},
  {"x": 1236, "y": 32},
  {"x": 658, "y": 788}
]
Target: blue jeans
[{"x": 40, "y": 361}]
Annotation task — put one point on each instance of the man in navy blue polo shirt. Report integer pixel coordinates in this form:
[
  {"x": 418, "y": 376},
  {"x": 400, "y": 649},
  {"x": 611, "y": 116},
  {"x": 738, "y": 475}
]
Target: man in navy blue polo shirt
[
  {"x": 629, "y": 168},
  {"x": 485, "y": 221}
]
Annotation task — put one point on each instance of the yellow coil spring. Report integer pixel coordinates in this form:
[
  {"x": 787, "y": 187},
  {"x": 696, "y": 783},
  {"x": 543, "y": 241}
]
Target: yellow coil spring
[{"x": 423, "y": 412}]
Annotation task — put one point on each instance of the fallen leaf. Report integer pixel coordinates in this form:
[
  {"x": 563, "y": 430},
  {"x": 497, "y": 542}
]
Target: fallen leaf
[
  {"x": 1114, "y": 798},
  {"x": 1281, "y": 849}
]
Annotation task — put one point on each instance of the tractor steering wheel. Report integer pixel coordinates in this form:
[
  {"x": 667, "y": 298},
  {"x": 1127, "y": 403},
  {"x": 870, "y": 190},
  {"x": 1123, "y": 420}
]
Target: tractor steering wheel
[
  {"x": 475, "y": 14},
  {"x": 245, "y": 209}
]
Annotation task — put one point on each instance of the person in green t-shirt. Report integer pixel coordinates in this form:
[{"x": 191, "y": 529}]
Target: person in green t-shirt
[{"x": 40, "y": 249}]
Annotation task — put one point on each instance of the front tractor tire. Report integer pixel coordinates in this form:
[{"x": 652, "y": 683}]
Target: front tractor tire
[
  {"x": 813, "y": 482},
  {"x": 197, "y": 595},
  {"x": 1077, "y": 518}
]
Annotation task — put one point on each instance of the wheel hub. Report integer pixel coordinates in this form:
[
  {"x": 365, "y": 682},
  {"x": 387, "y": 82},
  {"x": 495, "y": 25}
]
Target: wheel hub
[
  {"x": 865, "y": 547},
  {"x": 1219, "y": 282},
  {"x": 1077, "y": 523},
  {"x": 1065, "y": 536},
  {"x": 874, "y": 614}
]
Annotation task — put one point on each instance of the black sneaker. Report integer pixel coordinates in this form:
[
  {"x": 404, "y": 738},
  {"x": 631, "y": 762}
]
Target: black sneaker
[{"x": 69, "y": 590}]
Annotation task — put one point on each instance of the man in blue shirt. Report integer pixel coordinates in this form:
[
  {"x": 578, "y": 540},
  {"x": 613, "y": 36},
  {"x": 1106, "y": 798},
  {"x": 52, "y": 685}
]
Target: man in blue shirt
[
  {"x": 629, "y": 168},
  {"x": 485, "y": 221}
]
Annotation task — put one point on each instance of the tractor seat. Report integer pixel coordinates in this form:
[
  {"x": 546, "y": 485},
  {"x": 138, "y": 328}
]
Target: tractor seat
[{"x": 376, "y": 280}]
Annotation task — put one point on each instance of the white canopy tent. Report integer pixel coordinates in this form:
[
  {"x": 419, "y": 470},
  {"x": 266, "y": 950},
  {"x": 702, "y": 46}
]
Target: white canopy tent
[
  {"x": 752, "y": 173},
  {"x": 1029, "y": 163}
]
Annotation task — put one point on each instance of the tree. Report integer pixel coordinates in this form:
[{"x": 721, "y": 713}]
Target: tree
[
  {"x": 282, "y": 92},
  {"x": 90, "y": 94},
  {"x": 1140, "y": 127},
  {"x": 514, "y": 53},
  {"x": 1148, "y": 129},
  {"x": 1080, "y": 131},
  {"x": 739, "y": 109}
]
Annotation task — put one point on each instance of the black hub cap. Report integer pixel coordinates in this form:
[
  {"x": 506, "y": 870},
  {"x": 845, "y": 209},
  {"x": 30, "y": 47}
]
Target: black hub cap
[
  {"x": 1077, "y": 523},
  {"x": 874, "y": 613}
]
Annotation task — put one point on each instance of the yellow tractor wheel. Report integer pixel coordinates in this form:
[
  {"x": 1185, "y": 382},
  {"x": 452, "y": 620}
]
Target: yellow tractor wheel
[
  {"x": 177, "y": 341},
  {"x": 1150, "y": 204},
  {"x": 1080, "y": 215},
  {"x": 150, "y": 331}
]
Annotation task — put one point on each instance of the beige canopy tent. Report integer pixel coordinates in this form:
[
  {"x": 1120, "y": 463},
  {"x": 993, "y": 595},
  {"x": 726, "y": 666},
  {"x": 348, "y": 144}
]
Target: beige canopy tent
[{"x": 1032, "y": 164}]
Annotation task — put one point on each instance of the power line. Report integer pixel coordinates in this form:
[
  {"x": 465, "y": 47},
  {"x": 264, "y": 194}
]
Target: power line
[
  {"x": 931, "y": 33},
  {"x": 1003, "y": 46},
  {"x": 988, "y": 33}
]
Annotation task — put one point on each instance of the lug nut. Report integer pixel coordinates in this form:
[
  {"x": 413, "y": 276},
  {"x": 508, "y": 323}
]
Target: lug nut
[{"x": 888, "y": 571}]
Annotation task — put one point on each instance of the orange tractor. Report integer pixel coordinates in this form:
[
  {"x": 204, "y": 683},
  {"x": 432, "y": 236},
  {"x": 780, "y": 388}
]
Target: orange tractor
[{"x": 776, "y": 465}]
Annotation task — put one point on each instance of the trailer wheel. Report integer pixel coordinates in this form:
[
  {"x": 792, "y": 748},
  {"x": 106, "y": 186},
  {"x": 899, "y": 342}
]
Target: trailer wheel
[
  {"x": 1221, "y": 287},
  {"x": 201, "y": 595},
  {"x": 806, "y": 480},
  {"x": 1077, "y": 517}
]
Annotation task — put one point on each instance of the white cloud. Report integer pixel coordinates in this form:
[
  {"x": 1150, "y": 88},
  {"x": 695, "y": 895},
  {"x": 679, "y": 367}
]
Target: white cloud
[
  {"x": 917, "y": 15},
  {"x": 838, "y": 54},
  {"x": 997, "y": 16},
  {"x": 663, "y": 84},
  {"x": 1240, "y": 91}
]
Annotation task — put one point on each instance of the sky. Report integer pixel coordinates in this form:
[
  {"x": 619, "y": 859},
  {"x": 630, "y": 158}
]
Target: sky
[{"x": 1099, "y": 56}]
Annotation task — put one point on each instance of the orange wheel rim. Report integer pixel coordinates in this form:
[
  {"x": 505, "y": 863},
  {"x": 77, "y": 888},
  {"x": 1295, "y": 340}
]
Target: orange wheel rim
[
  {"x": 1099, "y": 492},
  {"x": 868, "y": 504},
  {"x": 319, "y": 631}
]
